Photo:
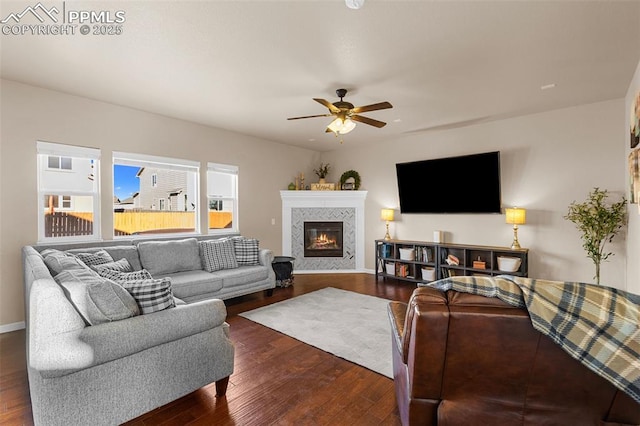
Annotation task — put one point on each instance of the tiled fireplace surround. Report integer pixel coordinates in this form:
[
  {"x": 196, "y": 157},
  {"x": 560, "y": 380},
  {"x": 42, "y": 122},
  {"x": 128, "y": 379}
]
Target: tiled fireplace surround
[{"x": 344, "y": 206}]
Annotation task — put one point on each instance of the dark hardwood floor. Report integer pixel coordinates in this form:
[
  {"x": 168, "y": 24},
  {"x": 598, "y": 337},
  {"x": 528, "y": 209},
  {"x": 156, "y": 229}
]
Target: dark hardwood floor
[{"x": 277, "y": 380}]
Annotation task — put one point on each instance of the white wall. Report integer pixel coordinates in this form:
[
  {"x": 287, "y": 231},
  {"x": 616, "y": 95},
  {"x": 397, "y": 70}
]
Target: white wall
[
  {"x": 633, "y": 230},
  {"x": 30, "y": 114},
  {"x": 547, "y": 160}
]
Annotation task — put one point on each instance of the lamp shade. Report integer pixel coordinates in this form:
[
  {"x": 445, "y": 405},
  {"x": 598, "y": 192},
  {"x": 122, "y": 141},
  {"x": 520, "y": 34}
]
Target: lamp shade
[
  {"x": 387, "y": 214},
  {"x": 516, "y": 216},
  {"x": 342, "y": 127}
]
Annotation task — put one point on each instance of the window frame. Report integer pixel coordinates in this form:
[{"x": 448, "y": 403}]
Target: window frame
[
  {"x": 169, "y": 163},
  {"x": 44, "y": 150},
  {"x": 233, "y": 171}
]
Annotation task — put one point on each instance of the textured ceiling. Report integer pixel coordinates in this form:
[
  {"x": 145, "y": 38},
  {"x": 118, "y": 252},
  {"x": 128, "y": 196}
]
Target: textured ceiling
[{"x": 248, "y": 65}]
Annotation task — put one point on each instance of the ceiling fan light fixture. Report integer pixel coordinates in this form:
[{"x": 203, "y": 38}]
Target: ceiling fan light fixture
[
  {"x": 354, "y": 4},
  {"x": 338, "y": 126}
]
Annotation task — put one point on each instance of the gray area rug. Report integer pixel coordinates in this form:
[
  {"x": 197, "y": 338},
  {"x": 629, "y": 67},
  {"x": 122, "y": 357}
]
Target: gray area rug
[{"x": 350, "y": 325}]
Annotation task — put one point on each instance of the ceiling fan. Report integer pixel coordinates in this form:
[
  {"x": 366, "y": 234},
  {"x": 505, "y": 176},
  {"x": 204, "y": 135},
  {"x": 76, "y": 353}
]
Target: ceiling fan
[{"x": 346, "y": 114}]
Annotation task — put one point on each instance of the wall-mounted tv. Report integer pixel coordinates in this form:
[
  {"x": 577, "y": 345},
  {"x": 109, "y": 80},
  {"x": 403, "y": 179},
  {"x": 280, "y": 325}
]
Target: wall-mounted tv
[{"x": 463, "y": 184}]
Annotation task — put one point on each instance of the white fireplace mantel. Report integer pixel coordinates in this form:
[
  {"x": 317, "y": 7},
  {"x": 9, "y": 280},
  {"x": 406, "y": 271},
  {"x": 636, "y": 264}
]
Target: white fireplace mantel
[{"x": 324, "y": 200}]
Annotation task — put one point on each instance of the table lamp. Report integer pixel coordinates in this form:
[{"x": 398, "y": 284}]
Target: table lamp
[
  {"x": 516, "y": 216},
  {"x": 387, "y": 215}
]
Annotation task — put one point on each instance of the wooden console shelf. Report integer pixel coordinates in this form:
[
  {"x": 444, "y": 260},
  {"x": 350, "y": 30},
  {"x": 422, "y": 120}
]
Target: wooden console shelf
[{"x": 420, "y": 261}]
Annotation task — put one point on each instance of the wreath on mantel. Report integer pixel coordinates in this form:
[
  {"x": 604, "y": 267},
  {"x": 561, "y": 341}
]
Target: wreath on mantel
[{"x": 350, "y": 174}]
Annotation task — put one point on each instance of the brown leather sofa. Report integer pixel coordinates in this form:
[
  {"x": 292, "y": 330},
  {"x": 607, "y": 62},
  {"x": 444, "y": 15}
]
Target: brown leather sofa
[{"x": 463, "y": 359}]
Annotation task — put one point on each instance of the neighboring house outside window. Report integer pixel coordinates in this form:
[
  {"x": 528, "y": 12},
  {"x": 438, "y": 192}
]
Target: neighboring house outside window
[
  {"x": 222, "y": 197},
  {"x": 165, "y": 196},
  {"x": 57, "y": 162},
  {"x": 68, "y": 192}
]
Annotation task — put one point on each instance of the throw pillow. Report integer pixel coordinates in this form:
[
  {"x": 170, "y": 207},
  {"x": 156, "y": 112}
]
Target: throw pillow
[
  {"x": 167, "y": 257},
  {"x": 151, "y": 295},
  {"x": 121, "y": 265},
  {"x": 74, "y": 283},
  {"x": 95, "y": 258},
  {"x": 122, "y": 277},
  {"x": 247, "y": 251},
  {"x": 108, "y": 301},
  {"x": 58, "y": 261},
  {"x": 218, "y": 254}
]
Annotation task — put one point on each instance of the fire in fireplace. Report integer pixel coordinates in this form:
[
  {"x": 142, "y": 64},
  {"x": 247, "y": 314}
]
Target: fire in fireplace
[{"x": 323, "y": 239}]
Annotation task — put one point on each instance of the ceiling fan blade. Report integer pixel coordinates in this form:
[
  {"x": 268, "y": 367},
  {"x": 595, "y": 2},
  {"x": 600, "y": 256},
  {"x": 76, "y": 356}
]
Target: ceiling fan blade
[
  {"x": 334, "y": 109},
  {"x": 369, "y": 121},
  {"x": 372, "y": 107},
  {"x": 310, "y": 116}
]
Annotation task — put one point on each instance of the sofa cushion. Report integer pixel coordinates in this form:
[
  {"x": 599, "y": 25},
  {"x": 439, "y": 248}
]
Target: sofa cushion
[
  {"x": 247, "y": 251},
  {"x": 108, "y": 301},
  {"x": 166, "y": 257},
  {"x": 218, "y": 254},
  {"x": 151, "y": 295},
  {"x": 58, "y": 261},
  {"x": 121, "y": 265},
  {"x": 94, "y": 258},
  {"x": 243, "y": 275},
  {"x": 194, "y": 283}
]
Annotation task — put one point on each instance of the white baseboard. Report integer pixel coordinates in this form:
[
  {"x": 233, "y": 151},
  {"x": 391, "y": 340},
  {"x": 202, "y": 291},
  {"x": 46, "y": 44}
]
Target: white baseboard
[
  {"x": 334, "y": 271},
  {"x": 6, "y": 328},
  {"x": 330, "y": 271}
]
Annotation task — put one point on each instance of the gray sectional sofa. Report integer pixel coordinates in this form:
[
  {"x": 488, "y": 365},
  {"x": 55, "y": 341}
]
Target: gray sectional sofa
[{"x": 101, "y": 355}]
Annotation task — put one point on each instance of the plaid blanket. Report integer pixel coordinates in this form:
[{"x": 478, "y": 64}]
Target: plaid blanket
[{"x": 598, "y": 326}]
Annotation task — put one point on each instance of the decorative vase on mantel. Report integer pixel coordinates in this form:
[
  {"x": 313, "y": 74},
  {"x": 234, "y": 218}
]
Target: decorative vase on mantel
[{"x": 322, "y": 181}]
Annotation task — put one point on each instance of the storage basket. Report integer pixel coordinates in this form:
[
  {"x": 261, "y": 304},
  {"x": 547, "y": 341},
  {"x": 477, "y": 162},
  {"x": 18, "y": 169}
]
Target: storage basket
[
  {"x": 428, "y": 274},
  {"x": 407, "y": 254},
  {"x": 508, "y": 264},
  {"x": 390, "y": 268}
]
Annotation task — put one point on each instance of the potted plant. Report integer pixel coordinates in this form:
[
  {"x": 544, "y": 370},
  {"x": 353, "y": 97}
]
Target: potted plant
[
  {"x": 322, "y": 171},
  {"x": 598, "y": 223}
]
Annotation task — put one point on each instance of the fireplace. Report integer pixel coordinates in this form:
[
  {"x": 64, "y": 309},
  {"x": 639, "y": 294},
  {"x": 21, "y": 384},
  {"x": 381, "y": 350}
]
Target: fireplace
[{"x": 323, "y": 239}]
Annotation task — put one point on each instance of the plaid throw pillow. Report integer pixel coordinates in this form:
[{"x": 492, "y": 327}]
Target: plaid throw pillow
[
  {"x": 151, "y": 295},
  {"x": 121, "y": 265},
  {"x": 96, "y": 258},
  {"x": 218, "y": 254},
  {"x": 123, "y": 277},
  {"x": 247, "y": 251}
]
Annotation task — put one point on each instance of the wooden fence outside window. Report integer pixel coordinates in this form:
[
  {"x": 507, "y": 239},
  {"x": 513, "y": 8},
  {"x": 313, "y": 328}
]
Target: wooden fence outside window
[{"x": 67, "y": 224}]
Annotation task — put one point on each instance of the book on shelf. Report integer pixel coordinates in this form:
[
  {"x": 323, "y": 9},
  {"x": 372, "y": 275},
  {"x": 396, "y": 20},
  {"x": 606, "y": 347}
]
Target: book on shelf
[
  {"x": 385, "y": 250},
  {"x": 403, "y": 270}
]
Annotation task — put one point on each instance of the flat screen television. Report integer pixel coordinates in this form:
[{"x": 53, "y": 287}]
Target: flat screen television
[{"x": 463, "y": 184}]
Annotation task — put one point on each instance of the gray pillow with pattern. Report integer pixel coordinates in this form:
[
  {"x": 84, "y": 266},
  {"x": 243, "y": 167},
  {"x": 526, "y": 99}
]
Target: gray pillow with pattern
[
  {"x": 151, "y": 295},
  {"x": 121, "y": 265},
  {"x": 94, "y": 258},
  {"x": 218, "y": 255}
]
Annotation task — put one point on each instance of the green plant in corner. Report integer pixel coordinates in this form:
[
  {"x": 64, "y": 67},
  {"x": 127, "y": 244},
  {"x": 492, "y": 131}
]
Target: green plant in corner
[
  {"x": 598, "y": 223},
  {"x": 323, "y": 170}
]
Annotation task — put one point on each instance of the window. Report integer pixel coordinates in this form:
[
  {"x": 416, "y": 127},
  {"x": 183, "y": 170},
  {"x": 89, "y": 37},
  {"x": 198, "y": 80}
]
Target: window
[
  {"x": 154, "y": 195},
  {"x": 53, "y": 201},
  {"x": 222, "y": 197},
  {"x": 68, "y": 203},
  {"x": 57, "y": 162}
]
